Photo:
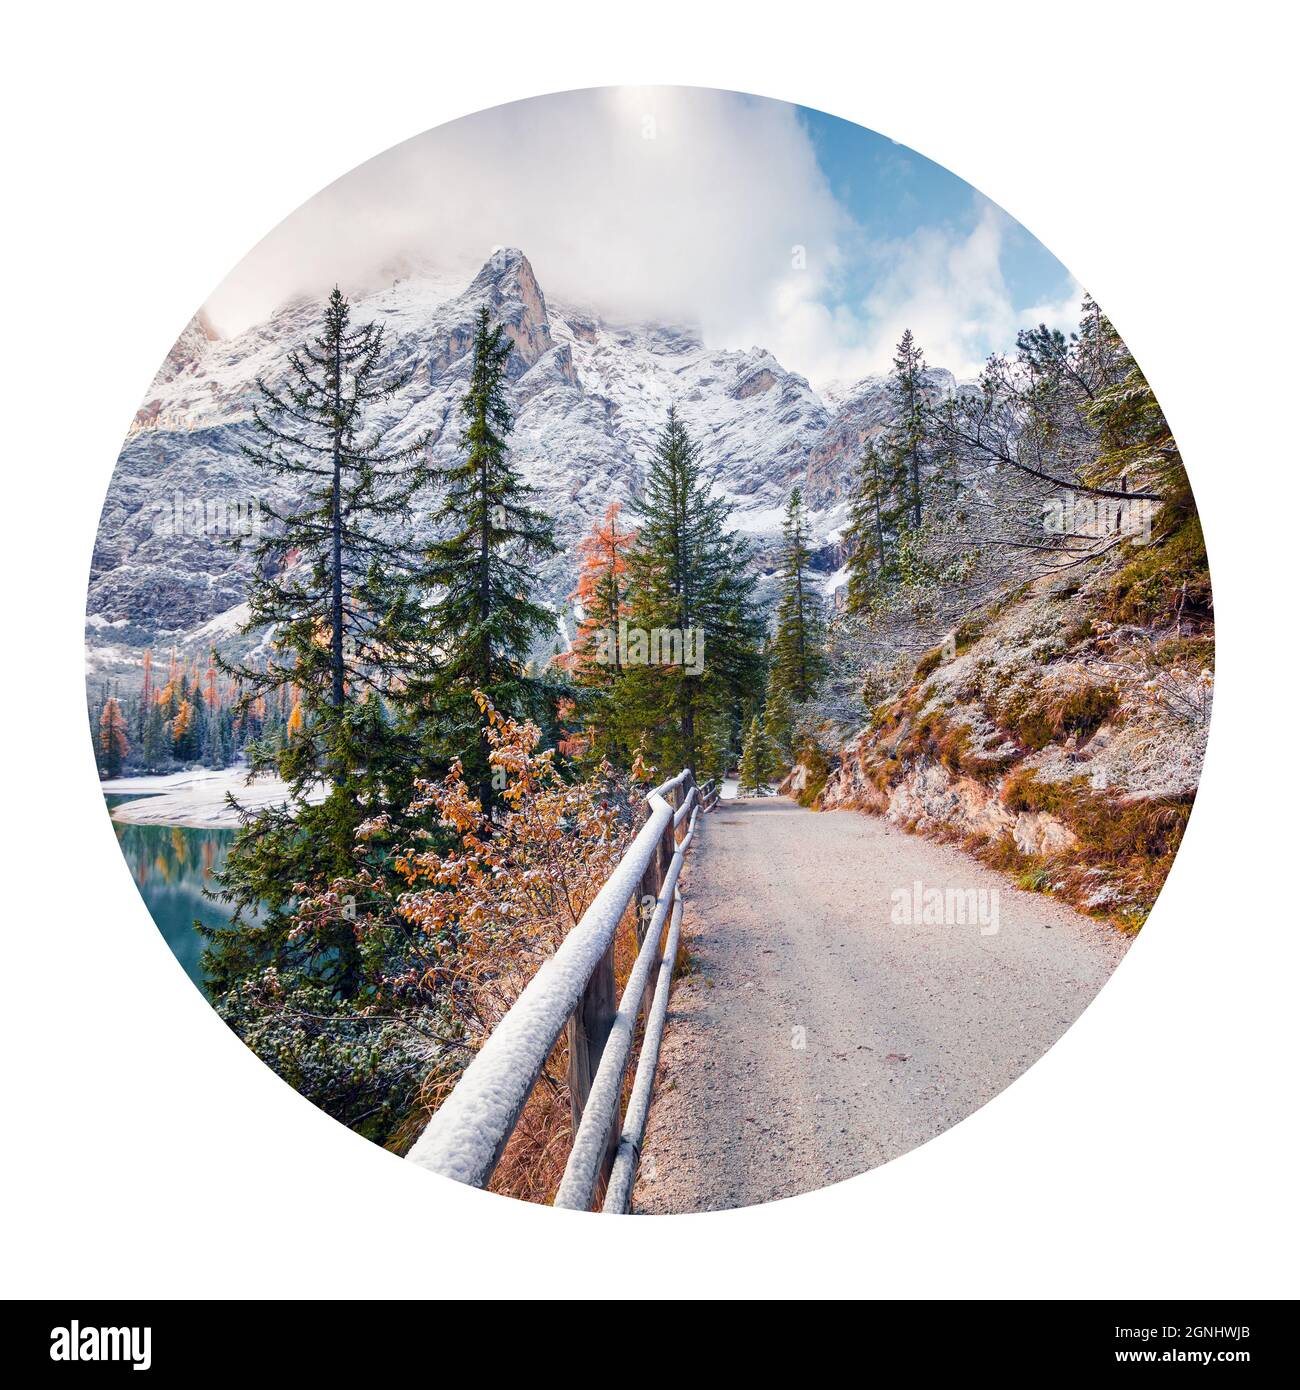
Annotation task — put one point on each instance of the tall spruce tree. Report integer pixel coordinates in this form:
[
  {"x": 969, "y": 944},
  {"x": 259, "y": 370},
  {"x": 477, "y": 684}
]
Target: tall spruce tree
[
  {"x": 899, "y": 474},
  {"x": 690, "y": 585},
  {"x": 870, "y": 510},
  {"x": 715, "y": 741},
  {"x": 798, "y": 650},
  {"x": 758, "y": 763},
  {"x": 484, "y": 621},
  {"x": 338, "y": 589},
  {"x": 779, "y": 724},
  {"x": 154, "y": 741},
  {"x": 909, "y": 430},
  {"x": 112, "y": 743}
]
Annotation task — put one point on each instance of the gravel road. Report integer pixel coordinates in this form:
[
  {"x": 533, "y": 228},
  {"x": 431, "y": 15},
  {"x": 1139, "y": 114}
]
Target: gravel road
[{"x": 814, "y": 1038}]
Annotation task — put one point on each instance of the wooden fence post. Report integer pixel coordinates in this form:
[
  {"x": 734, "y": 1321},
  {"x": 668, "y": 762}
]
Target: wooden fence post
[
  {"x": 651, "y": 885},
  {"x": 588, "y": 1031}
]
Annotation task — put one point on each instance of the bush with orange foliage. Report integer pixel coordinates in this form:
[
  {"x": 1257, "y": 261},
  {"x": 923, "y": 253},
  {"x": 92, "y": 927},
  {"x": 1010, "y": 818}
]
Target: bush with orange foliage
[{"x": 454, "y": 915}]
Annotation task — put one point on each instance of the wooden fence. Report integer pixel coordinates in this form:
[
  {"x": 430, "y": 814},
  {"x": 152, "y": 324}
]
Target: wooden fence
[{"x": 575, "y": 990}]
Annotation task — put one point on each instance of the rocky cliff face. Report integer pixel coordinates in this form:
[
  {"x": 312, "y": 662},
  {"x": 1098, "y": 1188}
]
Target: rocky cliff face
[
  {"x": 589, "y": 396},
  {"x": 861, "y": 413},
  {"x": 928, "y": 796}
]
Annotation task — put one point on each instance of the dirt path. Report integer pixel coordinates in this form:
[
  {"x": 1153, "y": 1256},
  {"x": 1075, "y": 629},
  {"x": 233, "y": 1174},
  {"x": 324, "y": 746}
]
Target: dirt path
[{"x": 814, "y": 1038}]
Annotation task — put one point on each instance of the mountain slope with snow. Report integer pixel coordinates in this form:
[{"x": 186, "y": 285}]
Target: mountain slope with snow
[{"x": 590, "y": 397}]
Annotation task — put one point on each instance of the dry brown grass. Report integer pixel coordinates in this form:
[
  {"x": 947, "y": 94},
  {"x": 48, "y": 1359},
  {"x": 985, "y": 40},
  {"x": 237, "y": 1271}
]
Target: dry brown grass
[
  {"x": 1036, "y": 717},
  {"x": 1131, "y": 841},
  {"x": 534, "y": 1159},
  {"x": 533, "y": 1163}
]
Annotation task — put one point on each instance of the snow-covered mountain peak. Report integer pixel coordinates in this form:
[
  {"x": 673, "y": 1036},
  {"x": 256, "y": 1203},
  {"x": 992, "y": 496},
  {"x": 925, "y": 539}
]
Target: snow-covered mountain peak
[{"x": 590, "y": 396}]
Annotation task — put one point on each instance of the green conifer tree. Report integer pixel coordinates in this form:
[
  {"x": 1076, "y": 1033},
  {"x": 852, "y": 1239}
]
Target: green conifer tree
[
  {"x": 690, "y": 584},
  {"x": 798, "y": 650},
  {"x": 865, "y": 534},
  {"x": 715, "y": 744},
  {"x": 491, "y": 539},
  {"x": 757, "y": 759},
  {"x": 910, "y": 431},
  {"x": 154, "y": 742},
  {"x": 341, "y": 595},
  {"x": 779, "y": 723},
  {"x": 900, "y": 475}
]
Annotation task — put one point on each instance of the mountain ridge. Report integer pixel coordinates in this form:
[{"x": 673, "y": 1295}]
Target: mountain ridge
[{"x": 589, "y": 395}]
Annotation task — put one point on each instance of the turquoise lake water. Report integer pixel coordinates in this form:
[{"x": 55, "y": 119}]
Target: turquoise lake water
[{"x": 172, "y": 865}]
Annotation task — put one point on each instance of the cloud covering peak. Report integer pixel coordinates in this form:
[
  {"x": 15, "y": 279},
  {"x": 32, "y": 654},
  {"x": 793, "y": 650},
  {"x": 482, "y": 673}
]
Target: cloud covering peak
[{"x": 667, "y": 203}]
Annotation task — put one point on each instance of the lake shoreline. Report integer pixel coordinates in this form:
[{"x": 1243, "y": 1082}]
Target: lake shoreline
[{"x": 196, "y": 799}]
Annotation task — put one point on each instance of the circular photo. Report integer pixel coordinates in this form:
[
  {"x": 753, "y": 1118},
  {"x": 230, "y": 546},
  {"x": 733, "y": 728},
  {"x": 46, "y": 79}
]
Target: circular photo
[{"x": 649, "y": 650}]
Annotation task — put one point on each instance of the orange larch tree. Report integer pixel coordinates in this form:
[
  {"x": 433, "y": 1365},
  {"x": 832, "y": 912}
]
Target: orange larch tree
[
  {"x": 211, "y": 696},
  {"x": 601, "y": 597},
  {"x": 182, "y": 720},
  {"x": 594, "y": 659}
]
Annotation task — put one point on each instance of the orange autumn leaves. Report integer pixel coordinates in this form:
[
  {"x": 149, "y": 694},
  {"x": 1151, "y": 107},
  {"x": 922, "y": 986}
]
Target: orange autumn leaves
[
  {"x": 601, "y": 600},
  {"x": 601, "y": 594},
  {"x": 112, "y": 732},
  {"x": 482, "y": 905}
]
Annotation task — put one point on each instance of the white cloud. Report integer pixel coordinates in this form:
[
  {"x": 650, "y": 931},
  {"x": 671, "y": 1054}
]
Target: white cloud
[
  {"x": 948, "y": 287},
  {"x": 675, "y": 203}
]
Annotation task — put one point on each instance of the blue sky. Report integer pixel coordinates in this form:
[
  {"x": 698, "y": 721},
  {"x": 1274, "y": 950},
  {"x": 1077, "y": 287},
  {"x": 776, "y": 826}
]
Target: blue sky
[
  {"x": 892, "y": 192},
  {"x": 685, "y": 205}
]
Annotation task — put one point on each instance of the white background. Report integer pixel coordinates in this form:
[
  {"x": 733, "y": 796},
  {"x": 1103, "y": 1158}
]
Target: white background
[{"x": 1151, "y": 1152}]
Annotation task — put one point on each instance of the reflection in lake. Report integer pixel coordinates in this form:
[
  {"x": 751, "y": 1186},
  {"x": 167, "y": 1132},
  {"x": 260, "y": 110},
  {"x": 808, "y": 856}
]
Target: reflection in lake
[{"x": 172, "y": 864}]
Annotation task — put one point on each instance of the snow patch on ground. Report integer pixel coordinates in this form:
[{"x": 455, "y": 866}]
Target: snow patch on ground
[
  {"x": 223, "y": 625},
  {"x": 197, "y": 798},
  {"x": 836, "y": 581}
]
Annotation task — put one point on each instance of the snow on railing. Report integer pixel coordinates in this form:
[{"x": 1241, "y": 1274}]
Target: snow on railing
[
  {"x": 591, "y": 1142},
  {"x": 618, "y": 1194},
  {"x": 575, "y": 988}
]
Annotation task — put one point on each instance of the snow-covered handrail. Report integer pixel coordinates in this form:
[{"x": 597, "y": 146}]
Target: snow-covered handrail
[
  {"x": 578, "y": 1186},
  {"x": 618, "y": 1194},
  {"x": 468, "y": 1133},
  {"x": 671, "y": 784}
]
